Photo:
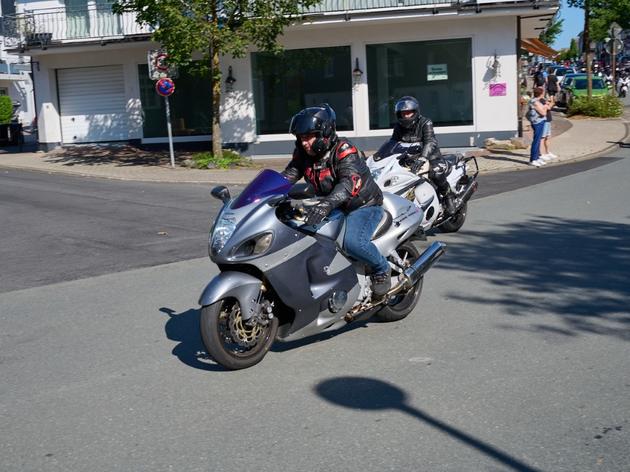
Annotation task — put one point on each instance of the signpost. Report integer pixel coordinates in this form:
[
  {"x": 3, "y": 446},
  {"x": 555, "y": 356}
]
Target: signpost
[
  {"x": 163, "y": 72},
  {"x": 165, "y": 87},
  {"x": 613, "y": 47}
]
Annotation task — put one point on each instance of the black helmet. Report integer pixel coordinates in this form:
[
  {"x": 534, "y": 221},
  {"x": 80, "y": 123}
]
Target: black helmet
[
  {"x": 407, "y": 103},
  {"x": 320, "y": 120}
]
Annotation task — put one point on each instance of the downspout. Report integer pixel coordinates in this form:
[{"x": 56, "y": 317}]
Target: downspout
[
  {"x": 35, "y": 119},
  {"x": 518, "y": 77}
]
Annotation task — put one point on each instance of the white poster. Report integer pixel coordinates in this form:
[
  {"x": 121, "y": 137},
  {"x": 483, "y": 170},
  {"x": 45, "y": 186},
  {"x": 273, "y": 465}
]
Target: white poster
[{"x": 437, "y": 72}]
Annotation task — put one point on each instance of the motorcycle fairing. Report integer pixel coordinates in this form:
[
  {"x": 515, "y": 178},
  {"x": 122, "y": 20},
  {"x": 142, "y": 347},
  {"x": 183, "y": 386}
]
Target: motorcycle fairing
[
  {"x": 305, "y": 283},
  {"x": 243, "y": 287}
]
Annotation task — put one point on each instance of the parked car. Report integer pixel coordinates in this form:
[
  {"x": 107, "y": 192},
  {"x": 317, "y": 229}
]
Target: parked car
[
  {"x": 561, "y": 72},
  {"x": 579, "y": 88},
  {"x": 567, "y": 80}
]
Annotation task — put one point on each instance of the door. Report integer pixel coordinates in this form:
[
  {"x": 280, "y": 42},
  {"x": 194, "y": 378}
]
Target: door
[{"x": 92, "y": 104}]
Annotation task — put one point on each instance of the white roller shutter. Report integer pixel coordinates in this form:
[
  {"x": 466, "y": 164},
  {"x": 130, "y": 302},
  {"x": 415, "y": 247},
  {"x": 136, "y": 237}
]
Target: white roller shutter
[{"x": 92, "y": 104}]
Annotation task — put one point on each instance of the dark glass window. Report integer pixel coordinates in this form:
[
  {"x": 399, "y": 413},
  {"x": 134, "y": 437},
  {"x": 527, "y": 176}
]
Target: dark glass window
[
  {"x": 286, "y": 83},
  {"x": 190, "y": 104},
  {"x": 437, "y": 73}
]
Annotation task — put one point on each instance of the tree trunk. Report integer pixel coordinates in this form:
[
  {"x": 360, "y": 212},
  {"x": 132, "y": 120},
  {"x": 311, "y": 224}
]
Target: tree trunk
[
  {"x": 215, "y": 74},
  {"x": 587, "y": 48}
]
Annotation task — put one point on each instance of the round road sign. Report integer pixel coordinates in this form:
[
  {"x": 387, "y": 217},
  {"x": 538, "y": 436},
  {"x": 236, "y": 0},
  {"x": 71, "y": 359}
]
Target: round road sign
[{"x": 165, "y": 87}]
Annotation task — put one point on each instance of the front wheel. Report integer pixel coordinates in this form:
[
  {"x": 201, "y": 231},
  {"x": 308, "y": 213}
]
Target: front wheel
[
  {"x": 402, "y": 304},
  {"x": 229, "y": 340},
  {"x": 456, "y": 222}
]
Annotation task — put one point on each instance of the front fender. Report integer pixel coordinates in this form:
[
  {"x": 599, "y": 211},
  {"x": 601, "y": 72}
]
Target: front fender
[{"x": 244, "y": 287}]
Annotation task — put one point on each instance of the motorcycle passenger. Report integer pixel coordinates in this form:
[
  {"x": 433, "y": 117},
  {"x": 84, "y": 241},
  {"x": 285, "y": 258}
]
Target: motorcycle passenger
[
  {"x": 340, "y": 176},
  {"x": 415, "y": 128}
]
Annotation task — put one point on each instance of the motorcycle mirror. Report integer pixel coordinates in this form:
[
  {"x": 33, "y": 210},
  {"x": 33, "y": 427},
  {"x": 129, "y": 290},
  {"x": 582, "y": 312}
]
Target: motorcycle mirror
[
  {"x": 301, "y": 191},
  {"x": 221, "y": 192}
]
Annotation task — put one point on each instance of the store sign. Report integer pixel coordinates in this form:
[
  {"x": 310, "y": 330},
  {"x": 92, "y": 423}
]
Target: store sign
[
  {"x": 437, "y": 72},
  {"x": 498, "y": 90}
]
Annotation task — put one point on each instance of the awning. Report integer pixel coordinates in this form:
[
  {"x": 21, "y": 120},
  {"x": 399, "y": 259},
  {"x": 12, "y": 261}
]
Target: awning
[{"x": 536, "y": 46}]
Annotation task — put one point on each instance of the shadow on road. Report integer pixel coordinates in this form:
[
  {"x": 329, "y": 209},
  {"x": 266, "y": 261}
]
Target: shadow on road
[
  {"x": 362, "y": 393},
  {"x": 184, "y": 328},
  {"x": 575, "y": 271}
]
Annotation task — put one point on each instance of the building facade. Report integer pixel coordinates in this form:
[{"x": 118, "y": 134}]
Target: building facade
[{"x": 459, "y": 58}]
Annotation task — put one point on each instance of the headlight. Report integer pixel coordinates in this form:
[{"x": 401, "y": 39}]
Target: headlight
[
  {"x": 376, "y": 173},
  {"x": 223, "y": 229},
  {"x": 254, "y": 246}
]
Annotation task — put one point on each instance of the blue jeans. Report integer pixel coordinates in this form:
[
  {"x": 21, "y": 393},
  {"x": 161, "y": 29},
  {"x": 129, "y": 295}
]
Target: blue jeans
[
  {"x": 360, "y": 226},
  {"x": 538, "y": 132}
]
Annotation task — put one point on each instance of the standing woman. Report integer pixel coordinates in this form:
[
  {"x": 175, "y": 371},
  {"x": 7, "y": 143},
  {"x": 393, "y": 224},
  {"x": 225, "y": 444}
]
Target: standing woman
[{"x": 537, "y": 117}]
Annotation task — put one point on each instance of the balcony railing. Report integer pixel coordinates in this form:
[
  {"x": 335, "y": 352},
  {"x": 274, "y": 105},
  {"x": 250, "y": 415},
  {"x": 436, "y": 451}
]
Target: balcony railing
[
  {"x": 48, "y": 26},
  {"x": 44, "y": 27},
  {"x": 350, "y": 6},
  {"x": 14, "y": 69}
]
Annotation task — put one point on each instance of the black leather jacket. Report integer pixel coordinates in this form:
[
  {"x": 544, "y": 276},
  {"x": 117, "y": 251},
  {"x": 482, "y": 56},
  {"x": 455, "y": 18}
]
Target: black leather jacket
[
  {"x": 422, "y": 133},
  {"x": 342, "y": 177}
]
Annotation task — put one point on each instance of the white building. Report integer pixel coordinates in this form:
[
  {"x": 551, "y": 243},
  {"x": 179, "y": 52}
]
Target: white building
[
  {"x": 459, "y": 58},
  {"x": 15, "y": 80}
]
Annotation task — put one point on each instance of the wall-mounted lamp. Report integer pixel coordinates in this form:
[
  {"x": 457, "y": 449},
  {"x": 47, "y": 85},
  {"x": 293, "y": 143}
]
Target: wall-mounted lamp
[
  {"x": 357, "y": 73},
  {"x": 229, "y": 81}
]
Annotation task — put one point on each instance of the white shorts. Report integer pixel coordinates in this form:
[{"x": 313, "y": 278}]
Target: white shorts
[{"x": 547, "y": 130}]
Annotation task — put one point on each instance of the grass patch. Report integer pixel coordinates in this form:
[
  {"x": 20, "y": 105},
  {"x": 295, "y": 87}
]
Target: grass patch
[
  {"x": 230, "y": 159},
  {"x": 602, "y": 107}
]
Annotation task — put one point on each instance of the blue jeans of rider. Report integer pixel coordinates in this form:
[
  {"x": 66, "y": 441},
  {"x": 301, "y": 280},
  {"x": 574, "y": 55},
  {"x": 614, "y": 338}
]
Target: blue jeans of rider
[{"x": 357, "y": 242}]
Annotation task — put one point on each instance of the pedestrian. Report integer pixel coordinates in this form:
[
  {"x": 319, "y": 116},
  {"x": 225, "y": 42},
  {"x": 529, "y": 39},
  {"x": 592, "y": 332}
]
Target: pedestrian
[
  {"x": 539, "y": 77},
  {"x": 552, "y": 85},
  {"x": 536, "y": 114},
  {"x": 547, "y": 155}
]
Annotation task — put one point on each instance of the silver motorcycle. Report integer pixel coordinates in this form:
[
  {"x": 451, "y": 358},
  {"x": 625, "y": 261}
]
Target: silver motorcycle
[{"x": 282, "y": 279}]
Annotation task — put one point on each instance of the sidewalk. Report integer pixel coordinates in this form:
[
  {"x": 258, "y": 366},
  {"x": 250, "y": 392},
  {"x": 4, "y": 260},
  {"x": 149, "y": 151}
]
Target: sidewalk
[{"x": 572, "y": 139}]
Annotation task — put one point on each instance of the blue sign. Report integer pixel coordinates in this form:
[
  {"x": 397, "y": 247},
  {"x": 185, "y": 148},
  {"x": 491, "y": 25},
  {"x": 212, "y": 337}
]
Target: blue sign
[{"x": 165, "y": 87}]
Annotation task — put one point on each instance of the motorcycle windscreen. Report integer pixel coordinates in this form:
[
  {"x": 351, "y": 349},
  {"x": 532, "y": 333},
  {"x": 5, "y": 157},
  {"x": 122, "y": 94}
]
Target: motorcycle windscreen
[
  {"x": 267, "y": 182},
  {"x": 391, "y": 147}
]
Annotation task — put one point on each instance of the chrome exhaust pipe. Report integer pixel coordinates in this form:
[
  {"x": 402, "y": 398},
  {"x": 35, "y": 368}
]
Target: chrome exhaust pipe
[
  {"x": 466, "y": 194},
  {"x": 417, "y": 270}
]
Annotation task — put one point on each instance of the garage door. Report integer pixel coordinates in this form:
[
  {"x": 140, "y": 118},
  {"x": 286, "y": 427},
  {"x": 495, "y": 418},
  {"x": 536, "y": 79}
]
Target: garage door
[{"x": 92, "y": 104}]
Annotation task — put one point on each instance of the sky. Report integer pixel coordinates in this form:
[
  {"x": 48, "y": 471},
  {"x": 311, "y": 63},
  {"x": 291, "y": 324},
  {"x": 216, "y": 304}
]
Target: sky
[{"x": 572, "y": 26}]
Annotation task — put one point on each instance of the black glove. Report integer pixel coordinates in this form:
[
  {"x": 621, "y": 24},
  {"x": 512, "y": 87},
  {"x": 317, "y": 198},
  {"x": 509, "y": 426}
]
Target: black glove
[
  {"x": 316, "y": 213},
  {"x": 417, "y": 164}
]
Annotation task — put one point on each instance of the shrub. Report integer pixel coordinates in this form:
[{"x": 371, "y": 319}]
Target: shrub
[
  {"x": 204, "y": 160},
  {"x": 603, "y": 107},
  {"x": 6, "y": 109}
]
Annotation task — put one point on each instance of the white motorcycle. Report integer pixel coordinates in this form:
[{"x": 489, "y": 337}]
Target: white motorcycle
[{"x": 392, "y": 176}]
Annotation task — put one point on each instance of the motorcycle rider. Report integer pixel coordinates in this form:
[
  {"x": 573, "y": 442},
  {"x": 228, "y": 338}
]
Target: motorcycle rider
[
  {"x": 415, "y": 128},
  {"x": 340, "y": 176}
]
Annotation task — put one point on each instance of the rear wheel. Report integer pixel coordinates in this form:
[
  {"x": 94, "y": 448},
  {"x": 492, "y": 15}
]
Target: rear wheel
[
  {"x": 402, "y": 304},
  {"x": 456, "y": 221},
  {"x": 229, "y": 340}
]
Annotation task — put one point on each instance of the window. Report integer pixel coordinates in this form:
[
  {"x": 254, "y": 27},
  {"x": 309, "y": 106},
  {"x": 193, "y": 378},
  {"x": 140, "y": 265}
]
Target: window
[
  {"x": 437, "y": 73},
  {"x": 286, "y": 83},
  {"x": 190, "y": 104}
]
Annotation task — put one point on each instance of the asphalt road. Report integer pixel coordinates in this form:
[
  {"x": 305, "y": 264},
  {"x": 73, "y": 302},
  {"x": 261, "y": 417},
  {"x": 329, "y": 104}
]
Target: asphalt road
[
  {"x": 516, "y": 359},
  {"x": 57, "y": 228}
]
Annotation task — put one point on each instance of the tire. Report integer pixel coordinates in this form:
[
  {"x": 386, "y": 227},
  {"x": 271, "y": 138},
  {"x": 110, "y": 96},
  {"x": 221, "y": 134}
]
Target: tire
[
  {"x": 402, "y": 304},
  {"x": 456, "y": 222},
  {"x": 219, "y": 340}
]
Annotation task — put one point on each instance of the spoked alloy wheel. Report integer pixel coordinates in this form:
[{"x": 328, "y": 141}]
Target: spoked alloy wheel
[
  {"x": 229, "y": 340},
  {"x": 402, "y": 303}
]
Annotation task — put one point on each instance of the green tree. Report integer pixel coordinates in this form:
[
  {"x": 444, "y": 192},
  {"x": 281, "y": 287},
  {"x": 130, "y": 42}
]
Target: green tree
[
  {"x": 573, "y": 51},
  {"x": 549, "y": 35},
  {"x": 587, "y": 6},
  {"x": 214, "y": 28},
  {"x": 604, "y": 13},
  {"x": 6, "y": 109}
]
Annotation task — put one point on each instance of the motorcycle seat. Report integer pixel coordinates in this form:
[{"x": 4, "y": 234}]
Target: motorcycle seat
[{"x": 383, "y": 225}]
